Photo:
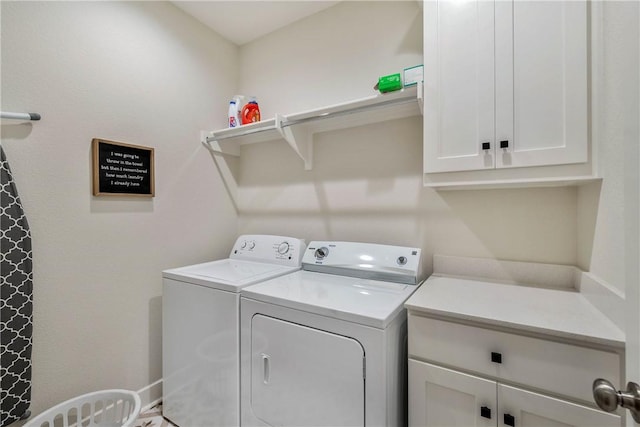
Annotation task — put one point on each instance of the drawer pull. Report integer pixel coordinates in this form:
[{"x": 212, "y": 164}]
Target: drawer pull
[
  {"x": 486, "y": 146},
  {"x": 485, "y": 412},
  {"x": 509, "y": 420},
  {"x": 496, "y": 357}
]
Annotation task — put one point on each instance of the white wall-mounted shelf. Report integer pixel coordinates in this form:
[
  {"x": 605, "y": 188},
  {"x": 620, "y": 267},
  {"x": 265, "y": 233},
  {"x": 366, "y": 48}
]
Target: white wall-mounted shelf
[{"x": 298, "y": 128}]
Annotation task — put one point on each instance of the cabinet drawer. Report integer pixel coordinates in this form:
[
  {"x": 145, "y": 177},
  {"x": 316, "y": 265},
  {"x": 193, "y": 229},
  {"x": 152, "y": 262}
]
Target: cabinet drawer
[{"x": 561, "y": 368}]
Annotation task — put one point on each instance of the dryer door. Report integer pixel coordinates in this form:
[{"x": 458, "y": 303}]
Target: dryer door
[{"x": 302, "y": 376}]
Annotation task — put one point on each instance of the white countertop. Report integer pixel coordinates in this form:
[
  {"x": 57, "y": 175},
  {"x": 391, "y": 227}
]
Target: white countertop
[{"x": 560, "y": 313}]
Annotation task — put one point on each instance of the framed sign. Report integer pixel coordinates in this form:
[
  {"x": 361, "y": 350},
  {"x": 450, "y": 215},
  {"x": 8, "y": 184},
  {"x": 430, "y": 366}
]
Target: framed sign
[{"x": 122, "y": 169}]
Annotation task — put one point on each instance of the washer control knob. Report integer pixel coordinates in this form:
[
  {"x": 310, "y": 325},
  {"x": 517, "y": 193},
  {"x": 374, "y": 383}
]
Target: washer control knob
[
  {"x": 243, "y": 245},
  {"x": 252, "y": 245},
  {"x": 322, "y": 252},
  {"x": 283, "y": 248},
  {"x": 402, "y": 260}
]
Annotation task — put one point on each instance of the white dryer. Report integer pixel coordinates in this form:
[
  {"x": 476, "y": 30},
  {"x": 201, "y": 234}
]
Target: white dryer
[
  {"x": 201, "y": 331},
  {"x": 326, "y": 345}
]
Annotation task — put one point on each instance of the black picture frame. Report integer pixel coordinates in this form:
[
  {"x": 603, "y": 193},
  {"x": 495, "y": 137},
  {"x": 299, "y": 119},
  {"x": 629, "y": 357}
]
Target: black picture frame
[{"x": 121, "y": 169}]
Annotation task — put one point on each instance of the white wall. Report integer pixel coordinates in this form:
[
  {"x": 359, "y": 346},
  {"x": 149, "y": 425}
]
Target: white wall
[
  {"x": 366, "y": 183},
  {"x": 602, "y": 208},
  {"x": 333, "y": 56},
  {"x": 137, "y": 72}
]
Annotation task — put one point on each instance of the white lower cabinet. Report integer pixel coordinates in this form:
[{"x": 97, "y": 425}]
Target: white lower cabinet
[
  {"x": 463, "y": 375},
  {"x": 440, "y": 397},
  {"x": 527, "y": 409}
]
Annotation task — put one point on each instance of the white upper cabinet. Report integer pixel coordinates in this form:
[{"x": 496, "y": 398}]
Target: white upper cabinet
[
  {"x": 459, "y": 87},
  {"x": 505, "y": 84},
  {"x": 541, "y": 83}
]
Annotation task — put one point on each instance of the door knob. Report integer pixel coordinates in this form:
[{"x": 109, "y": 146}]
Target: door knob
[{"x": 608, "y": 398}]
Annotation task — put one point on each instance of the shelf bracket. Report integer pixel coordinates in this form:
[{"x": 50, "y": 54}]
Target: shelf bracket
[
  {"x": 226, "y": 170},
  {"x": 300, "y": 140},
  {"x": 420, "y": 95},
  {"x": 219, "y": 146}
]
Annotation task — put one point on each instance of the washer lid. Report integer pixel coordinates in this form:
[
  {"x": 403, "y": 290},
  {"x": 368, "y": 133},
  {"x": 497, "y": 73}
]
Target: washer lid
[
  {"x": 227, "y": 274},
  {"x": 368, "y": 302}
]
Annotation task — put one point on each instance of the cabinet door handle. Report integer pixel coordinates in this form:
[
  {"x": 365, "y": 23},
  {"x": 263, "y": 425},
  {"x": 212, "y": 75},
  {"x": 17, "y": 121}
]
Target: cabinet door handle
[
  {"x": 486, "y": 146},
  {"x": 504, "y": 144},
  {"x": 496, "y": 357},
  {"x": 509, "y": 420},
  {"x": 485, "y": 412}
]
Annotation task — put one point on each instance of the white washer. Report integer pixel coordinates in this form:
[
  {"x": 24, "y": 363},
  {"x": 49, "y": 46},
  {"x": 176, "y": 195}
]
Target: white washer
[
  {"x": 200, "y": 328},
  {"x": 326, "y": 345}
]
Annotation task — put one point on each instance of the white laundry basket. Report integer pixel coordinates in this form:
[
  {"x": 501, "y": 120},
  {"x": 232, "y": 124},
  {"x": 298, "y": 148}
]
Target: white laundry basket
[{"x": 106, "y": 408}]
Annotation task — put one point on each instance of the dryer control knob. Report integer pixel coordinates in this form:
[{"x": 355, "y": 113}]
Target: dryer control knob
[
  {"x": 243, "y": 245},
  {"x": 252, "y": 245},
  {"x": 322, "y": 252},
  {"x": 402, "y": 260},
  {"x": 283, "y": 248}
]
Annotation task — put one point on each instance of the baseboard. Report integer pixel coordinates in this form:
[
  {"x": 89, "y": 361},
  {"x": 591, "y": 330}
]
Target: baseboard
[{"x": 151, "y": 395}]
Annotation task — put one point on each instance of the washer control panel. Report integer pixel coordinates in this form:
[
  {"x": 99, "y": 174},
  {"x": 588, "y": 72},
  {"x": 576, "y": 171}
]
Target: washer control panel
[
  {"x": 283, "y": 248},
  {"x": 268, "y": 248}
]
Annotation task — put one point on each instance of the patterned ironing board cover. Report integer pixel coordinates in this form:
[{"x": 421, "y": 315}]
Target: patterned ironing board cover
[{"x": 17, "y": 301}]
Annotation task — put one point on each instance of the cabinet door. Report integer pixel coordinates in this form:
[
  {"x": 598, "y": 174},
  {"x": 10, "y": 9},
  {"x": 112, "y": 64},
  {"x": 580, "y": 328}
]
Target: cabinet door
[
  {"x": 526, "y": 409},
  {"x": 440, "y": 397},
  {"x": 459, "y": 85},
  {"x": 541, "y": 82}
]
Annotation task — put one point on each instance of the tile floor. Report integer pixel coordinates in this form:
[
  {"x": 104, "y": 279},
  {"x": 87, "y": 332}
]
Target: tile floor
[{"x": 152, "y": 417}]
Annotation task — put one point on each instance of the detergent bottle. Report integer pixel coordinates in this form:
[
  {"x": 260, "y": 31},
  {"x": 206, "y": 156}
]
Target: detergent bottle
[
  {"x": 233, "y": 114},
  {"x": 251, "y": 111},
  {"x": 235, "y": 109}
]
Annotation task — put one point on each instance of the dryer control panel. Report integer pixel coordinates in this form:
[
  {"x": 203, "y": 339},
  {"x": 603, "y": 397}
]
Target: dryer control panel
[
  {"x": 282, "y": 250},
  {"x": 398, "y": 264}
]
